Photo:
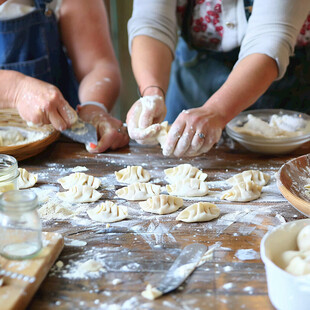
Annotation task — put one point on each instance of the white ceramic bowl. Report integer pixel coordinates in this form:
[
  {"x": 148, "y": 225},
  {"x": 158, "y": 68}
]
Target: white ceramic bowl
[
  {"x": 286, "y": 291},
  {"x": 260, "y": 144}
]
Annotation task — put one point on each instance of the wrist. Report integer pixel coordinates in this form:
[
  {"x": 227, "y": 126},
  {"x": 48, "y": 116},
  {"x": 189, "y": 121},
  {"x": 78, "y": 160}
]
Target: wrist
[
  {"x": 152, "y": 90},
  {"x": 93, "y": 103}
]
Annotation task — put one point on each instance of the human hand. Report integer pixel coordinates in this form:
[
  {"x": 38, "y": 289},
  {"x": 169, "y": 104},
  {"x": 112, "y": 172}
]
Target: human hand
[
  {"x": 40, "y": 103},
  {"x": 194, "y": 132},
  {"x": 111, "y": 132},
  {"x": 144, "y": 118}
]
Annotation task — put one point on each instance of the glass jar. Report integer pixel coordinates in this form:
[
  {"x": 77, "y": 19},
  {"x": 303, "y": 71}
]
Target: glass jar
[
  {"x": 8, "y": 173},
  {"x": 20, "y": 225}
]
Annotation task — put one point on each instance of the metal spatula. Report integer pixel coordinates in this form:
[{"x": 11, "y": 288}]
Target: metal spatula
[
  {"x": 182, "y": 267},
  {"x": 82, "y": 132}
]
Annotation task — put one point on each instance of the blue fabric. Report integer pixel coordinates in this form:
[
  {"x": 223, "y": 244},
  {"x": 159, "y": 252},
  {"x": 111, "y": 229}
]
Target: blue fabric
[
  {"x": 31, "y": 45},
  {"x": 195, "y": 76}
]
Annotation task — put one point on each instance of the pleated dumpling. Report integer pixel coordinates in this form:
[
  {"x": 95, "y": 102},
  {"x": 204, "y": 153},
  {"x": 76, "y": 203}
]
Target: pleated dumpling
[
  {"x": 244, "y": 191},
  {"x": 26, "y": 179},
  {"x": 108, "y": 212},
  {"x": 162, "y": 204},
  {"x": 138, "y": 191},
  {"x": 79, "y": 178},
  {"x": 132, "y": 174},
  {"x": 80, "y": 193},
  {"x": 256, "y": 176},
  {"x": 199, "y": 212},
  {"x": 188, "y": 188},
  {"x": 184, "y": 171}
]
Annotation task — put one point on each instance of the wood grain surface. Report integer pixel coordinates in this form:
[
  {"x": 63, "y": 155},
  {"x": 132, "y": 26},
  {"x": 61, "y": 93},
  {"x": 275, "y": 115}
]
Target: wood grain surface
[{"x": 141, "y": 249}]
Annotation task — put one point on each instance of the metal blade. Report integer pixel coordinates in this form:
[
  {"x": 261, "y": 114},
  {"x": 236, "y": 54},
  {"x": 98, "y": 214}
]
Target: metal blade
[
  {"x": 82, "y": 132},
  {"x": 182, "y": 267}
]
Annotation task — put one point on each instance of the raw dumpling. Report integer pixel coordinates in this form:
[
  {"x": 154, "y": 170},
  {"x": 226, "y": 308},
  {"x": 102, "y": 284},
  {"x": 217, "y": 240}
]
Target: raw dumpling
[
  {"x": 300, "y": 264},
  {"x": 108, "y": 212},
  {"x": 79, "y": 178},
  {"x": 244, "y": 191},
  {"x": 199, "y": 212},
  {"x": 162, "y": 204},
  {"x": 138, "y": 191},
  {"x": 132, "y": 174},
  {"x": 256, "y": 176},
  {"x": 303, "y": 239},
  {"x": 188, "y": 188},
  {"x": 26, "y": 179},
  {"x": 80, "y": 193},
  {"x": 184, "y": 171}
]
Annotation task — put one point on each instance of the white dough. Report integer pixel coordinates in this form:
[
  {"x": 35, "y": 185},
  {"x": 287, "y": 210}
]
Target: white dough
[
  {"x": 303, "y": 239},
  {"x": 190, "y": 187},
  {"x": 108, "y": 212},
  {"x": 132, "y": 174},
  {"x": 26, "y": 179},
  {"x": 138, "y": 191},
  {"x": 162, "y": 204},
  {"x": 243, "y": 191},
  {"x": 90, "y": 266},
  {"x": 184, "y": 171},
  {"x": 79, "y": 193},
  {"x": 151, "y": 292},
  {"x": 256, "y": 176},
  {"x": 79, "y": 178},
  {"x": 199, "y": 212}
]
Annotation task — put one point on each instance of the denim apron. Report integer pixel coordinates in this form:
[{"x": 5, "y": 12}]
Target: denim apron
[
  {"x": 31, "y": 44},
  {"x": 197, "y": 74}
]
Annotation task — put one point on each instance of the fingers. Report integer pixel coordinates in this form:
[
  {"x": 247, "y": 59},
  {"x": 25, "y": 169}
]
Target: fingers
[
  {"x": 173, "y": 137},
  {"x": 67, "y": 112}
]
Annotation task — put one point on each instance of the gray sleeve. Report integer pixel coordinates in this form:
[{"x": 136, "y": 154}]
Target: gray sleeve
[
  {"x": 156, "y": 19},
  {"x": 273, "y": 29}
]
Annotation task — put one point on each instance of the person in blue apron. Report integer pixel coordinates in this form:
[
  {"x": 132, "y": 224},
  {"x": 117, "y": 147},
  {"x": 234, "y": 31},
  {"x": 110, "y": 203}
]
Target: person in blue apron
[
  {"x": 43, "y": 83},
  {"x": 229, "y": 57}
]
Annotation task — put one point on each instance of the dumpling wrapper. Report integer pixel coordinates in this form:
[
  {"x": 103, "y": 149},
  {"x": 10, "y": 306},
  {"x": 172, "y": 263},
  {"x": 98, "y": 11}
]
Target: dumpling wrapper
[
  {"x": 256, "y": 176},
  {"x": 199, "y": 212},
  {"x": 132, "y": 174},
  {"x": 108, "y": 212},
  {"x": 243, "y": 192},
  {"x": 79, "y": 178},
  {"x": 184, "y": 171},
  {"x": 138, "y": 191},
  {"x": 188, "y": 188},
  {"x": 162, "y": 204},
  {"x": 80, "y": 194},
  {"x": 26, "y": 179}
]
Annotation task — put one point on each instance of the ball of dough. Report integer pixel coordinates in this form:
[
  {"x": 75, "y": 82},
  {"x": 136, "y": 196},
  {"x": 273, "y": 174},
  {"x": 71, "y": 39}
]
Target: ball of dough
[{"x": 303, "y": 239}]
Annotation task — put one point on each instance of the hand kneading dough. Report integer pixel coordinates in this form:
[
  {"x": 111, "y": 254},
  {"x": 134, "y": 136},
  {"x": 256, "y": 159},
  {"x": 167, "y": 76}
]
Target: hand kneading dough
[
  {"x": 26, "y": 179},
  {"x": 79, "y": 193},
  {"x": 256, "y": 176},
  {"x": 244, "y": 191},
  {"x": 303, "y": 239},
  {"x": 199, "y": 212},
  {"x": 132, "y": 174},
  {"x": 188, "y": 188},
  {"x": 138, "y": 191},
  {"x": 162, "y": 204},
  {"x": 108, "y": 212},
  {"x": 151, "y": 292},
  {"x": 79, "y": 178},
  {"x": 184, "y": 171}
]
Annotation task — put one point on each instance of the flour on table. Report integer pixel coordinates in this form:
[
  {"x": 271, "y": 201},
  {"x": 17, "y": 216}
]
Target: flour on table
[
  {"x": 151, "y": 292},
  {"x": 90, "y": 266},
  {"x": 79, "y": 169}
]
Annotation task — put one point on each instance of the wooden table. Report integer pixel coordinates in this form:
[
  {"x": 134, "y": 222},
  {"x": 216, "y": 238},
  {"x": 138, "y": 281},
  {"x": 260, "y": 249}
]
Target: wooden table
[{"x": 139, "y": 250}]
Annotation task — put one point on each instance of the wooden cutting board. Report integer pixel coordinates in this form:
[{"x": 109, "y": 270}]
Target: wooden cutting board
[{"x": 16, "y": 294}]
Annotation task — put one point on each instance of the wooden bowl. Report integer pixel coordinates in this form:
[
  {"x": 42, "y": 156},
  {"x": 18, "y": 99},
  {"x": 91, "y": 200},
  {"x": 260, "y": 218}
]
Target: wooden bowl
[
  {"x": 291, "y": 180},
  {"x": 11, "y": 118}
]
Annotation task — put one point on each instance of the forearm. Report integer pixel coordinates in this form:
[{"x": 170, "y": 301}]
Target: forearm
[
  {"x": 102, "y": 84},
  {"x": 9, "y": 87},
  {"x": 151, "y": 63},
  {"x": 247, "y": 82}
]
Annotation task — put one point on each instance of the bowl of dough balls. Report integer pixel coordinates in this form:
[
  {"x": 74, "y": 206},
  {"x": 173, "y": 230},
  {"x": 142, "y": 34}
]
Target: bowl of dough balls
[
  {"x": 286, "y": 254},
  {"x": 270, "y": 131}
]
